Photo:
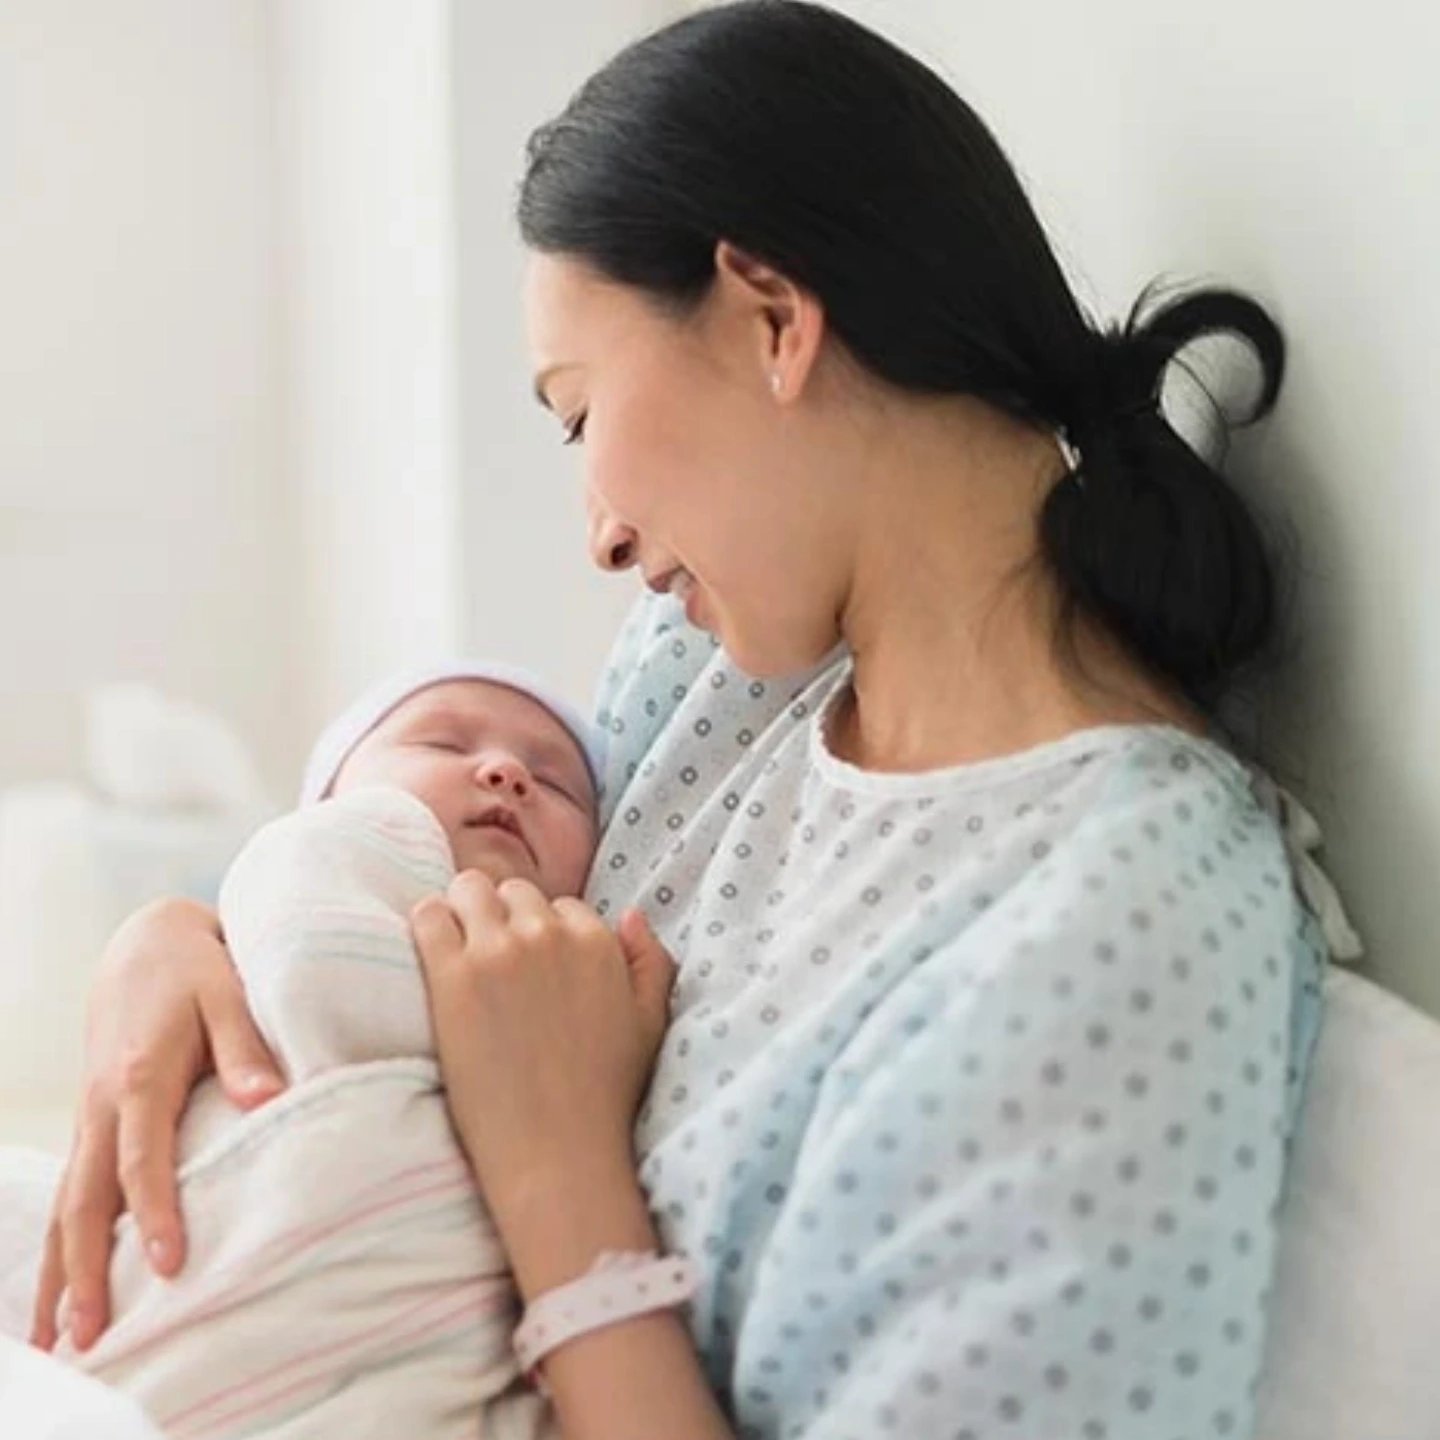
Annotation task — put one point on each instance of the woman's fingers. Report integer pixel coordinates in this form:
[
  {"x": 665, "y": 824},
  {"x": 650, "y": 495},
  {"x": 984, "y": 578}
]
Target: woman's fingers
[
  {"x": 652, "y": 970},
  {"x": 436, "y": 928},
  {"x": 145, "y": 1149},
  {"x": 153, "y": 1092},
  {"x": 525, "y": 902},
  {"x": 88, "y": 1208},
  {"x": 475, "y": 902},
  {"x": 580, "y": 917},
  {"x": 44, "y": 1329},
  {"x": 249, "y": 1074},
  {"x": 150, "y": 1030}
]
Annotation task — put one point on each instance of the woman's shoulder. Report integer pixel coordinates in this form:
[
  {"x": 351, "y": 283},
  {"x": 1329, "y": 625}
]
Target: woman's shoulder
[
  {"x": 1161, "y": 921},
  {"x": 1141, "y": 859},
  {"x": 1171, "y": 899},
  {"x": 1178, "y": 821},
  {"x": 1176, "y": 798},
  {"x": 1145, "y": 761}
]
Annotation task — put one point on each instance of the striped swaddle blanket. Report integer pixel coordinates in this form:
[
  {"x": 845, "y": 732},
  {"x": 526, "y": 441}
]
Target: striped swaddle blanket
[{"x": 343, "y": 1276}]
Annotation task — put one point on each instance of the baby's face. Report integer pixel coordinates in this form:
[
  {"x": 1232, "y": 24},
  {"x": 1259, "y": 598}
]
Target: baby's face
[{"x": 472, "y": 751}]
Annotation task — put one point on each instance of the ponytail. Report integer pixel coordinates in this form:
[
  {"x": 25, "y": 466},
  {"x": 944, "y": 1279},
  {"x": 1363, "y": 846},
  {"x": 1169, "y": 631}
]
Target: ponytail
[
  {"x": 822, "y": 149},
  {"x": 1144, "y": 534}
]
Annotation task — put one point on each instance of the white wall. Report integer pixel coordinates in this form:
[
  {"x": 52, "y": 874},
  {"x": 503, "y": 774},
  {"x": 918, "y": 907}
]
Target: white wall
[
  {"x": 253, "y": 250},
  {"x": 139, "y": 498},
  {"x": 531, "y": 594},
  {"x": 1290, "y": 149},
  {"x": 437, "y": 510},
  {"x": 364, "y": 169}
]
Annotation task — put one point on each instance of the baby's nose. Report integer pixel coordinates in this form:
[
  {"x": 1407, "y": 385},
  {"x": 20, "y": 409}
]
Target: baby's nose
[{"x": 504, "y": 773}]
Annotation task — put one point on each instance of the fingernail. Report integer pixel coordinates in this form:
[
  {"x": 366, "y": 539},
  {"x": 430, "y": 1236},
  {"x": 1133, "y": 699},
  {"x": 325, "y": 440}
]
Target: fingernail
[
  {"x": 82, "y": 1326},
  {"x": 254, "y": 1082},
  {"x": 160, "y": 1251}
]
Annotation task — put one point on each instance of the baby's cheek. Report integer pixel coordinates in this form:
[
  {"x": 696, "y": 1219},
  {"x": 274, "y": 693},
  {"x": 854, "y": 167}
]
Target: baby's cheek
[{"x": 581, "y": 852}]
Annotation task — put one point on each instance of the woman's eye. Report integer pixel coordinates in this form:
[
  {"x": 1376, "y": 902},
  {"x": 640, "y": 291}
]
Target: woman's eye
[{"x": 575, "y": 430}]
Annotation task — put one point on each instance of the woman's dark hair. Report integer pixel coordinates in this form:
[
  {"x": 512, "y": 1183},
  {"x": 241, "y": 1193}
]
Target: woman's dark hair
[{"x": 822, "y": 149}]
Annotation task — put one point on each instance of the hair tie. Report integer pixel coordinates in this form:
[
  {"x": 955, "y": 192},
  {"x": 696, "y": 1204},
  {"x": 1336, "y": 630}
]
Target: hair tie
[{"x": 1071, "y": 453}]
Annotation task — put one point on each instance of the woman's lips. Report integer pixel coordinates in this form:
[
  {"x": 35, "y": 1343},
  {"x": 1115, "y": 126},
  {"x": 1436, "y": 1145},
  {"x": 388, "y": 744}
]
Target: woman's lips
[{"x": 685, "y": 587}]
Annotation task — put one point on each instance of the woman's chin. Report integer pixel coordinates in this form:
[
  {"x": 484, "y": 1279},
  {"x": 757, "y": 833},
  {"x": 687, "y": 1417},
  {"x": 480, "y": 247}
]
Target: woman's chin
[{"x": 766, "y": 660}]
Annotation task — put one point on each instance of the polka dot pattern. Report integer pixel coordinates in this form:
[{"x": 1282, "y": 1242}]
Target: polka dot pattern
[{"x": 974, "y": 1105}]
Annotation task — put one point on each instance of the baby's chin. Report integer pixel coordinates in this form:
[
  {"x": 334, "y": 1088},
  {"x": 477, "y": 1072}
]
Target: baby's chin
[{"x": 500, "y": 861}]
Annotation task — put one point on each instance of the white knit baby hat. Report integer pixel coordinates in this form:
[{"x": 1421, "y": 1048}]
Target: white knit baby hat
[{"x": 350, "y": 727}]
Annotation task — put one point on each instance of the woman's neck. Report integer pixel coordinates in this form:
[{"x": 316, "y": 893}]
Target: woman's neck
[{"x": 951, "y": 616}]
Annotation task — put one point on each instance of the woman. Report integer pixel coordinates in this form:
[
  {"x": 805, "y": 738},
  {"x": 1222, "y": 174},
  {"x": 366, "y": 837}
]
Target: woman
[{"x": 995, "y": 993}]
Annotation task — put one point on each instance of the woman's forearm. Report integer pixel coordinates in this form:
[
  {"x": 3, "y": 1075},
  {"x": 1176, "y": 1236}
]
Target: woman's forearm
[{"x": 634, "y": 1380}]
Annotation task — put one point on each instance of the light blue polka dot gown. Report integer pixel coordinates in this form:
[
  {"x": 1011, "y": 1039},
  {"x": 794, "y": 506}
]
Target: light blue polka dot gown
[{"x": 976, "y": 1098}]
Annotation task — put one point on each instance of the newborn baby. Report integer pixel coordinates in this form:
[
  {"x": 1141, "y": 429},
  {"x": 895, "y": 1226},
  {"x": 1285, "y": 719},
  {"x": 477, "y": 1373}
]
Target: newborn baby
[
  {"x": 504, "y": 785},
  {"x": 343, "y": 1276}
]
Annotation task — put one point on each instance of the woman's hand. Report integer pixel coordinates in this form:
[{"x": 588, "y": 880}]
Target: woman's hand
[
  {"x": 166, "y": 1008},
  {"x": 547, "y": 1025}
]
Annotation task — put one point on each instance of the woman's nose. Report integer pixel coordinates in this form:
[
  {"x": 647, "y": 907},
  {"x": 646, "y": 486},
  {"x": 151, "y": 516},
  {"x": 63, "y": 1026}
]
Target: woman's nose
[{"x": 612, "y": 545}]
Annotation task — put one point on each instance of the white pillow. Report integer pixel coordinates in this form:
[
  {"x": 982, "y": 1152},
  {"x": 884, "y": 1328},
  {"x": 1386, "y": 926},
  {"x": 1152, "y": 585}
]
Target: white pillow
[
  {"x": 28, "y": 1181},
  {"x": 72, "y": 867},
  {"x": 41, "y": 1399},
  {"x": 1355, "y": 1312}
]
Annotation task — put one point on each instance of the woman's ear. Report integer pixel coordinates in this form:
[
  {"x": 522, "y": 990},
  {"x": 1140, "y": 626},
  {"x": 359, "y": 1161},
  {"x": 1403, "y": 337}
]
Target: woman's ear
[{"x": 790, "y": 320}]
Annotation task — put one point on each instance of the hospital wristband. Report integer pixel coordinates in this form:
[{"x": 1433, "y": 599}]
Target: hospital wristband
[{"x": 618, "y": 1286}]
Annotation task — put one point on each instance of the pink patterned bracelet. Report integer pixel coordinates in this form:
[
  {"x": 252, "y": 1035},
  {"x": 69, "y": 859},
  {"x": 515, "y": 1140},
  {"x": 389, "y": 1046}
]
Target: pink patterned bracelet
[{"x": 619, "y": 1285}]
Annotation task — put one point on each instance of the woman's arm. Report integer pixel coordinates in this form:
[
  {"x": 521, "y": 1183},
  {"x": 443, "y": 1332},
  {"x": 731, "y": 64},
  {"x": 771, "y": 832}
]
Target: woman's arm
[
  {"x": 547, "y": 1026},
  {"x": 631, "y": 1381},
  {"x": 166, "y": 1009}
]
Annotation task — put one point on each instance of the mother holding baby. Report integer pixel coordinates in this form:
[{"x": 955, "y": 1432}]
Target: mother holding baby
[{"x": 995, "y": 990}]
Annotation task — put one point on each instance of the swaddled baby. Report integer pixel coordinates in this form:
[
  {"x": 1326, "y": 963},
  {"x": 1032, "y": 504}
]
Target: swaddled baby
[{"x": 343, "y": 1276}]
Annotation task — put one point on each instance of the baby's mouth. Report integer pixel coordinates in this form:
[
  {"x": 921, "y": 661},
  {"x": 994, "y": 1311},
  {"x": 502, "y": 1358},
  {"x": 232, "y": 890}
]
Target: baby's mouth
[{"x": 501, "y": 819}]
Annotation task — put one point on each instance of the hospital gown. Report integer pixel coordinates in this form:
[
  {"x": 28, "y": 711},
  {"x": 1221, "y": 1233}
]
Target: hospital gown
[{"x": 975, "y": 1103}]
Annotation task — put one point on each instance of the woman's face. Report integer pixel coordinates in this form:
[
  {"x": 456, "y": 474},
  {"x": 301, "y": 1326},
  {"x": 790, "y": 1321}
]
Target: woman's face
[{"x": 692, "y": 462}]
